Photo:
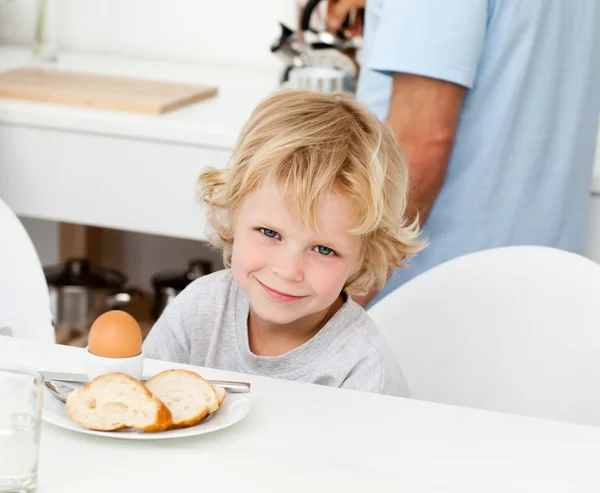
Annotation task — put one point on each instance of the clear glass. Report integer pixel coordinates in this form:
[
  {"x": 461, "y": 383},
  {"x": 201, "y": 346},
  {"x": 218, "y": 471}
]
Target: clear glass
[
  {"x": 45, "y": 36},
  {"x": 21, "y": 397}
]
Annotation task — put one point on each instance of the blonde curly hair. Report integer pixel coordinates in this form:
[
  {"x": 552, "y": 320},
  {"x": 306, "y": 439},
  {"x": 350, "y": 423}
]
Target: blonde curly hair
[{"x": 311, "y": 144}]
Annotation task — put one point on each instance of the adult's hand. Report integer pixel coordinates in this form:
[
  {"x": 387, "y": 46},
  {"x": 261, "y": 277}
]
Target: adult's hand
[{"x": 338, "y": 10}]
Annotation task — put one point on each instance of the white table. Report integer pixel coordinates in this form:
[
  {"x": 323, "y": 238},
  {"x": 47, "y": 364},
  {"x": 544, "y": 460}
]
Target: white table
[{"x": 301, "y": 437}]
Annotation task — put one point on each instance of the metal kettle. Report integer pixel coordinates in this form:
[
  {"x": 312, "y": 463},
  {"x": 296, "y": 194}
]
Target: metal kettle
[
  {"x": 80, "y": 293},
  {"x": 316, "y": 47}
]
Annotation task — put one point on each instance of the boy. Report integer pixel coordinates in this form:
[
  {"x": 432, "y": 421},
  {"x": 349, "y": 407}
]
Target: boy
[{"x": 310, "y": 212}]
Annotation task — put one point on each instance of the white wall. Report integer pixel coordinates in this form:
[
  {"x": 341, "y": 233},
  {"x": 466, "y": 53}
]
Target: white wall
[{"x": 228, "y": 32}]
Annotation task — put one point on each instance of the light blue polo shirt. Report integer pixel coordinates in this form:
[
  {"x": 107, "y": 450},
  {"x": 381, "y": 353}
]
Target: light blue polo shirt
[{"x": 521, "y": 167}]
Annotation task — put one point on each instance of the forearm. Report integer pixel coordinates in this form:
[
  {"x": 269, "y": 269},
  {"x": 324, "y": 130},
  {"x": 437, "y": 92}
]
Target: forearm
[
  {"x": 423, "y": 115},
  {"x": 427, "y": 162}
]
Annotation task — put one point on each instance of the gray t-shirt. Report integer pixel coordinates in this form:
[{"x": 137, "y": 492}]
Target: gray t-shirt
[{"x": 206, "y": 325}]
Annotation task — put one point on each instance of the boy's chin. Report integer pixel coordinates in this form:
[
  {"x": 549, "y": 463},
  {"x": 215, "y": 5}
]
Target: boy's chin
[{"x": 278, "y": 315}]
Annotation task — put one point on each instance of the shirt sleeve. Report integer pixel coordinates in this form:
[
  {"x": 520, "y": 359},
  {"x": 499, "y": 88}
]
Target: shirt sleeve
[{"x": 441, "y": 39}]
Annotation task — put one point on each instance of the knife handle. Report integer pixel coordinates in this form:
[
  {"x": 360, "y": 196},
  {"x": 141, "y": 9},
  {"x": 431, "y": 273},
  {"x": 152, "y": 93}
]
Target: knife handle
[{"x": 232, "y": 387}]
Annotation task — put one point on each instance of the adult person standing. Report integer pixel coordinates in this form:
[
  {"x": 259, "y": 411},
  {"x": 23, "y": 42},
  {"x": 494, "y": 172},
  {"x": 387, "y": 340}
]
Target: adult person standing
[{"x": 495, "y": 104}]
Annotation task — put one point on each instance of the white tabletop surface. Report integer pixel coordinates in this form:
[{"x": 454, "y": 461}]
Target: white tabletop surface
[{"x": 301, "y": 437}]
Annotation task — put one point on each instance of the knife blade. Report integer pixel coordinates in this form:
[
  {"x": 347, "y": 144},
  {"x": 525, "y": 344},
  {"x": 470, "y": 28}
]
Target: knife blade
[{"x": 229, "y": 386}]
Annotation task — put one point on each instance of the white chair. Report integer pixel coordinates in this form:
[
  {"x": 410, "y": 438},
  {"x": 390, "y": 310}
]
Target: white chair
[
  {"x": 514, "y": 329},
  {"x": 25, "y": 310}
]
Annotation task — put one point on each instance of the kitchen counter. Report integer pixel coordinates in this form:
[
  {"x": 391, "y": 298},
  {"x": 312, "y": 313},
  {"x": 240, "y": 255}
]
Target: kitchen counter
[
  {"x": 121, "y": 170},
  {"x": 215, "y": 122}
]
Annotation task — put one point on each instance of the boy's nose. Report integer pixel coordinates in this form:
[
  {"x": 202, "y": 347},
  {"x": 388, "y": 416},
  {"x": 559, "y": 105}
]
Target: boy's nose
[{"x": 289, "y": 267}]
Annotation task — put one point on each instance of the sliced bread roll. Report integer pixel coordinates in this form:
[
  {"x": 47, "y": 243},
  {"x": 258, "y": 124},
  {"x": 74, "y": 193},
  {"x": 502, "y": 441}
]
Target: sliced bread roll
[
  {"x": 188, "y": 396},
  {"x": 116, "y": 401},
  {"x": 221, "y": 394}
]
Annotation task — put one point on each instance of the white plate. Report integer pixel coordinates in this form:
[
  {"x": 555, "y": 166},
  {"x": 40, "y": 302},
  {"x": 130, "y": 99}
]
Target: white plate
[{"x": 235, "y": 407}]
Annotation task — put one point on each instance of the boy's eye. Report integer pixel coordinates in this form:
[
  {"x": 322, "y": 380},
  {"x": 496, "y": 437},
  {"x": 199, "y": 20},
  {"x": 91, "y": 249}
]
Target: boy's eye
[
  {"x": 323, "y": 250},
  {"x": 269, "y": 233}
]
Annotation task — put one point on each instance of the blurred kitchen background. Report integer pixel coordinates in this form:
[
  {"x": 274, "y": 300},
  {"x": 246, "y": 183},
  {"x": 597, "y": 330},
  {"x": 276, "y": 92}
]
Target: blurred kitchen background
[{"x": 116, "y": 187}]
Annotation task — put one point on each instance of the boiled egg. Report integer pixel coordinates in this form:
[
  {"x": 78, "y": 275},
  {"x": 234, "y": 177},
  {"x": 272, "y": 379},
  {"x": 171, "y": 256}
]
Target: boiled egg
[{"x": 115, "y": 334}]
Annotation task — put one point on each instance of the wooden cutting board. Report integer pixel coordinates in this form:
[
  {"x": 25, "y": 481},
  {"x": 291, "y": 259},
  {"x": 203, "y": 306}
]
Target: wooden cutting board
[{"x": 100, "y": 91}]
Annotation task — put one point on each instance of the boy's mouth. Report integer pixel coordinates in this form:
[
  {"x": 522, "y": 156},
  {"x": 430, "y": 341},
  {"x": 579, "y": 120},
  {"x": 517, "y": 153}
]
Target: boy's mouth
[{"x": 279, "y": 295}]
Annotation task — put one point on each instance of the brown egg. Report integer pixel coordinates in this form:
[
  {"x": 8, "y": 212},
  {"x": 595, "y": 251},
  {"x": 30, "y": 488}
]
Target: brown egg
[{"x": 115, "y": 334}]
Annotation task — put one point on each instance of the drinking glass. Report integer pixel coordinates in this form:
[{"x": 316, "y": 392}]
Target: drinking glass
[{"x": 21, "y": 397}]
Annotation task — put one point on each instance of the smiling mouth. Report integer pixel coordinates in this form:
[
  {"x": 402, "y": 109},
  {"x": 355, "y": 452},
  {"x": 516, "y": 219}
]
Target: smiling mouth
[{"x": 279, "y": 295}]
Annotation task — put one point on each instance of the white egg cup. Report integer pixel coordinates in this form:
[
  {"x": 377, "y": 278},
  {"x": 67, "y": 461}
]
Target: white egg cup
[{"x": 96, "y": 366}]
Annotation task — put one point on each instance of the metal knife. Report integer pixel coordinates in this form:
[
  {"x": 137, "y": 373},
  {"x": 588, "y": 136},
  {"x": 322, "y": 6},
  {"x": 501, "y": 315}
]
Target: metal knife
[{"x": 232, "y": 387}]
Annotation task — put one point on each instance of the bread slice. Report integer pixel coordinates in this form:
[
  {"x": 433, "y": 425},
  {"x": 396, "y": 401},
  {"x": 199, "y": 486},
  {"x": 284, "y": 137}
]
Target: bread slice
[
  {"x": 221, "y": 394},
  {"x": 188, "y": 396},
  {"x": 116, "y": 401}
]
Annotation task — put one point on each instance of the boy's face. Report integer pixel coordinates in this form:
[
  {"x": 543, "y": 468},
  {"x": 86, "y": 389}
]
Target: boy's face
[{"x": 288, "y": 271}]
